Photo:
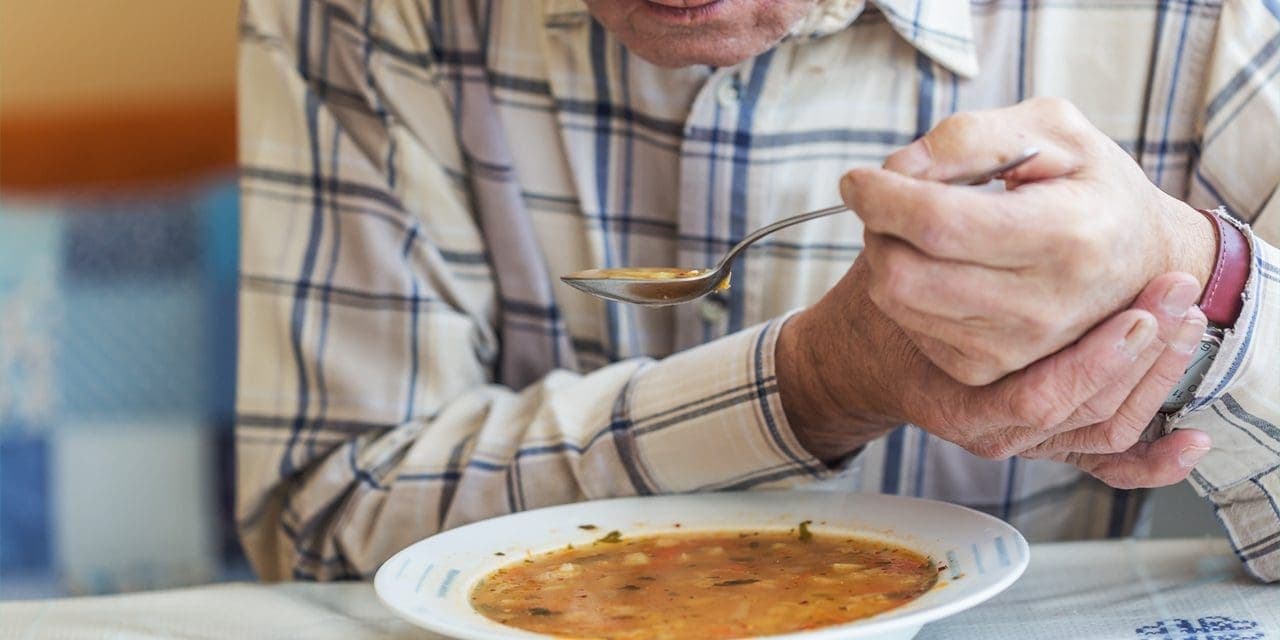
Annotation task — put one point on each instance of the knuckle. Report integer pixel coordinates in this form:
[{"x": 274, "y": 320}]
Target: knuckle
[
  {"x": 1009, "y": 360},
  {"x": 1055, "y": 107},
  {"x": 1092, "y": 412},
  {"x": 1129, "y": 422},
  {"x": 993, "y": 449},
  {"x": 1117, "y": 437},
  {"x": 1036, "y": 330},
  {"x": 1049, "y": 449},
  {"x": 1039, "y": 408},
  {"x": 960, "y": 129},
  {"x": 1076, "y": 251},
  {"x": 971, "y": 373}
]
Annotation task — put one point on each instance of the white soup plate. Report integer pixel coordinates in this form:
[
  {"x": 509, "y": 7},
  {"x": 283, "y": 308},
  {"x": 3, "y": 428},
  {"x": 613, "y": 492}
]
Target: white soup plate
[{"x": 429, "y": 583}]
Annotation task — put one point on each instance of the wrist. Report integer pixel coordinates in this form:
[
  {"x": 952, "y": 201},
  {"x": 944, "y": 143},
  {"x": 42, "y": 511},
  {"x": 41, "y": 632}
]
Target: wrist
[
  {"x": 1192, "y": 243},
  {"x": 823, "y": 385},
  {"x": 807, "y": 402}
]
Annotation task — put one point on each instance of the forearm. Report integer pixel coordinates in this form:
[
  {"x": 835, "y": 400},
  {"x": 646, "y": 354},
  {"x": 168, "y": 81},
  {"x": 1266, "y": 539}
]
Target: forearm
[{"x": 325, "y": 502}]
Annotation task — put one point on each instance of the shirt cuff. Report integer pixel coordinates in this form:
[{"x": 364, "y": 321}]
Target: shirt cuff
[
  {"x": 711, "y": 418},
  {"x": 1242, "y": 377},
  {"x": 1250, "y": 515}
]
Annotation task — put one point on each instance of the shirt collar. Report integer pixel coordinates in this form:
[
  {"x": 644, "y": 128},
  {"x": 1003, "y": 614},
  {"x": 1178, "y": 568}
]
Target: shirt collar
[{"x": 940, "y": 29}]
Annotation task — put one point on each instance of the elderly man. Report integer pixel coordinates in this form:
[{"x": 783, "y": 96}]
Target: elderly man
[{"x": 417, "y": 173}]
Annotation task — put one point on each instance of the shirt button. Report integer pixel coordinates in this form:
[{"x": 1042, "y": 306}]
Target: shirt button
[
  {"x": 713, "y": 309},
  {"x": 728, "y": 92}
]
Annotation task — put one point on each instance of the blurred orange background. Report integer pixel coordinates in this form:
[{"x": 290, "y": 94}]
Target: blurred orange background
[{"x": 115, "y": 93}]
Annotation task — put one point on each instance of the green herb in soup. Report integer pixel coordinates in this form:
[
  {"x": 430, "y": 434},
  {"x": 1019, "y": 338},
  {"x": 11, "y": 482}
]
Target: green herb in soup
[{"x": 701, "y": 586}]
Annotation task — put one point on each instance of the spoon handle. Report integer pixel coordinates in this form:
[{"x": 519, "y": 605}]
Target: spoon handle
[
  {"x": 971, "y": 179},
  {"x": 781, "y": 224}
]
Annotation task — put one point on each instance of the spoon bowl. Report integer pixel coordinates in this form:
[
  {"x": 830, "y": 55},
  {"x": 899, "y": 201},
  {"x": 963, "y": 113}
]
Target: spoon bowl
[
  {"x": 653, "y": 292},
  {"x": 661, "y": 286}
]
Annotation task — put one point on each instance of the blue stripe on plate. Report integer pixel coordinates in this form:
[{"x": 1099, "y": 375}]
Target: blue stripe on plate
[
  {"x": 1001, "y": 552},
  {"x": 977, "y": 558},
  {"x": 423, "y": 578},
  {"x": 448, "y": 581},
  {"x": 953, "y": 562}
]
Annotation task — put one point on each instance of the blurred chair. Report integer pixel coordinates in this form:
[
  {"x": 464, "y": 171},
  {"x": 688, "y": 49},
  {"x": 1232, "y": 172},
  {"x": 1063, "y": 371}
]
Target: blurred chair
[{"x": 117, "y": 343}]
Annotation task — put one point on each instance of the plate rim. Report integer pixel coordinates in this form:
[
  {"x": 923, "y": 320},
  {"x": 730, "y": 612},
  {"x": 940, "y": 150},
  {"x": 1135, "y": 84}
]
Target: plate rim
[{"x": 865, "y": 628}]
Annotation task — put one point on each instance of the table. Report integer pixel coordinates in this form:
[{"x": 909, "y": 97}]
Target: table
[{"x": 1142, "y": 589}]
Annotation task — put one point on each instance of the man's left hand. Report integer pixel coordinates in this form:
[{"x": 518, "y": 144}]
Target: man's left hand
[{"x": 987, "y": 283}]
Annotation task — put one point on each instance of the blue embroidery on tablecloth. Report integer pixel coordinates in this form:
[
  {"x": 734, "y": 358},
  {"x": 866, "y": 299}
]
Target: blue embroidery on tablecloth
[{"x": 1206, "y": 628}]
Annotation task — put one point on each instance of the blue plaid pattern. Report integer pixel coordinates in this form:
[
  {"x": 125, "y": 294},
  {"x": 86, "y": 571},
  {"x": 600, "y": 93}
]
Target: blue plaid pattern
[
  {"x": 417, "y": 173},
  {"x": 117, "y": 324}
]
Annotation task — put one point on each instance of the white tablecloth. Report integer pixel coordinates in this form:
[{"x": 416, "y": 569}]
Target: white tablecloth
[{"x": 1150, "y": 589}]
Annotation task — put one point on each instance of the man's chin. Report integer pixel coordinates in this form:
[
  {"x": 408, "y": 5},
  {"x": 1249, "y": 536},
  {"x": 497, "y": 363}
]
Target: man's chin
[
  {"x": 718, "y": 33},
  {"x": 674, "y": 55}
]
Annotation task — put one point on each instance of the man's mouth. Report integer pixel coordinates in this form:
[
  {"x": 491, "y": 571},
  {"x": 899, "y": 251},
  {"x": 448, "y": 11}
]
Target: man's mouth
[
  {"x": 683, "y": 4},
  {"x": 684, "y": 10}
]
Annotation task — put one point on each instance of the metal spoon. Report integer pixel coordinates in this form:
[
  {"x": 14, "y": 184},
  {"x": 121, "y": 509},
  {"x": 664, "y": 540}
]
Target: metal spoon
[{"x": 662, "y": 287}]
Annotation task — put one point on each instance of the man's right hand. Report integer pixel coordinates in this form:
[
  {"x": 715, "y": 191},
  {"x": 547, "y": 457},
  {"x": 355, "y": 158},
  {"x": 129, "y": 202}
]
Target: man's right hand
[{"x": 847, "y": 374}]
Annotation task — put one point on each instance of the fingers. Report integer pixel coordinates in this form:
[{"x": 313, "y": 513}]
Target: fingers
[
  {"x": 1170, "y": 298},
  {"x": 956, "y": 223},
  {"x": 963, "y": 224},
  {"x": 911, "y": 282},
  {"x": 1124, "y": 428},
  {"x": 947, "y": 222},
  {"x": 1160, "y": 463},
  {"x": 970, "y": 142},
  {"x": 1043, "y": 396}
]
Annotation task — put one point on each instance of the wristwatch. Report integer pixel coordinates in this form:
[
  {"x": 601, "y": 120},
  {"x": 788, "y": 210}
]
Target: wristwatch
[{"x": 1220, "y": 302}]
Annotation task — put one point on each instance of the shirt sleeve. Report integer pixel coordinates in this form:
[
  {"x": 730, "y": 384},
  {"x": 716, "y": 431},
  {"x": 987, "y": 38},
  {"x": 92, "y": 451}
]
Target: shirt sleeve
[
  {"x": 367, "y": 415},
  {"x": 1238, "y": 402}
]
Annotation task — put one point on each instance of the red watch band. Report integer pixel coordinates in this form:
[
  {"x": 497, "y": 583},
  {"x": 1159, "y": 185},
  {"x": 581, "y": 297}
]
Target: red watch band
[{"x": 1223, "y": 294}]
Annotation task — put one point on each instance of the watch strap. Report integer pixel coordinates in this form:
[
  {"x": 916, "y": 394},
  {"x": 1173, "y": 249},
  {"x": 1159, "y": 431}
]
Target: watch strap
[{"x": 1223, "y": 293}]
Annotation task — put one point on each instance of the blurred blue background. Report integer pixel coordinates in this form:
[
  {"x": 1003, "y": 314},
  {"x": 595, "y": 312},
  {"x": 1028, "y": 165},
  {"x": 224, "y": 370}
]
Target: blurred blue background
[{"x": 117, "y": 370}]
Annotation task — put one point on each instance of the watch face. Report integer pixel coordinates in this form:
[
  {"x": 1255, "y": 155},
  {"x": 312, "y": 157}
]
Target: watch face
[{"x": 1185, "y": 390}]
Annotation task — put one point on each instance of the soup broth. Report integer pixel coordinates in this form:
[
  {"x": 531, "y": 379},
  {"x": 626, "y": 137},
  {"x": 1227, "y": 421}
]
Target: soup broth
[
  {"x": 703, "y": 585},
  {"x": 646, "y": 273}
]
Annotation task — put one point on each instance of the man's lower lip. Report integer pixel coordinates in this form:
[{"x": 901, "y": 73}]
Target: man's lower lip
[
  {"x": 682, "y": 4},
  {"x": 683, "y": 13}
]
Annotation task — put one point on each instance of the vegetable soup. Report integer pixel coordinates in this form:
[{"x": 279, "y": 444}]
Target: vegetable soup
[
  {"x": 646, "y": 273},
  {"x": 703, "y": 585}
]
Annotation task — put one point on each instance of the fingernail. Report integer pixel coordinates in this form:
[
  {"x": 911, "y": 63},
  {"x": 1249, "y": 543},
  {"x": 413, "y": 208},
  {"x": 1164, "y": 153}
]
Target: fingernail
[
  {"x": 1139, "y": 336},
  {"x": 913, "y": 159},
  {"x": 1191, "y": 455},
  {"x": 847, "y": 187},
  {"x": 1179, "y": 299},
  {"x": 1189, "y": 334}
]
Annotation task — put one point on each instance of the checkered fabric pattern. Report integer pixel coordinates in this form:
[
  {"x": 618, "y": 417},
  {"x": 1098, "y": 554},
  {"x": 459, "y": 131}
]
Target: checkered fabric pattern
[{"x": 416, "y": 173}]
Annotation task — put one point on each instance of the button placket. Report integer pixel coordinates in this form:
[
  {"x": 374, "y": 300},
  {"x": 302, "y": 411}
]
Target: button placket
[
  {"x": 702, "y": 183},
  {"x": 729, "y": 91}
]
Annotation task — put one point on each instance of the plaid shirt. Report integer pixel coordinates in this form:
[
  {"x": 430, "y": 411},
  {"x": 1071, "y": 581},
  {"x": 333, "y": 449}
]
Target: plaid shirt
[{"x": 416, "y": 173}]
